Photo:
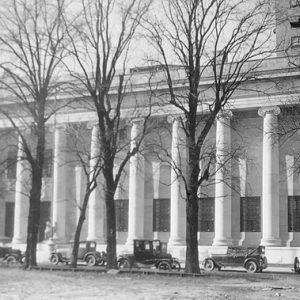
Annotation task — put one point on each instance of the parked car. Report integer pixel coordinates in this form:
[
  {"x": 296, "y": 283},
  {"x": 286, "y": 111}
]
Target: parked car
[
  {"x": 253, "y": 259},
  {"x": 86, "y": 253},
  {"x": 148, "y": 252},
  {"x": 11, "y": 256}
]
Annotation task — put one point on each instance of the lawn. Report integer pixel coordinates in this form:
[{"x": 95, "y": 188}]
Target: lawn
[{"x": 16, "y": 283}]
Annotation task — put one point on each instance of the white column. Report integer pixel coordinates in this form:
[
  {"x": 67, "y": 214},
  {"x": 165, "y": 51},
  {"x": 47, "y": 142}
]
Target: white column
[
  {"x": 178, "y": 205},
  {"x": 270, "y": 180},
  {"x": 96, "y": 208},
  {"x": 21, "y": 197},
  {"x": 223, "y": 181},
  {"x": 59, "y": 184},
  {"x": 136, "y": 187}
]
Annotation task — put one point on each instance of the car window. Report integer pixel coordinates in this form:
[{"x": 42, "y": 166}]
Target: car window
[
  {"x": 147, "y": 246},
  {"x": 241, "y": 252}
]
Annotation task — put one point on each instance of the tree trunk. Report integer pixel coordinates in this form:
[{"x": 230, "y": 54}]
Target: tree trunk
[
  {"x": 110, "y": 219},
  {"x": 192, "y": 259},
  {"x": 33, "y": 218},
  {"x": 79, "y": 227}
]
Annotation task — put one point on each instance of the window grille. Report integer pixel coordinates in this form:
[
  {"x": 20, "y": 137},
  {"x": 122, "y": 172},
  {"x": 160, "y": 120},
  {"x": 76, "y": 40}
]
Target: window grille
[
  {"x": 294, "y": 213},
  {"x": 48, "y": 163},
  {"x": 161, "y": 215},
  {"x": 121, "y": 207},
  {"x": 206, "y": 214},
  {"x": 250, "y": 214}
]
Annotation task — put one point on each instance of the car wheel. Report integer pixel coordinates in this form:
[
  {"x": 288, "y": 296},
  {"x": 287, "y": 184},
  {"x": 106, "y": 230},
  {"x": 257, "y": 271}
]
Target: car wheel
[
  {"x": 164, "y": 266},
  {"x": 176, "y": 265},
  {"x": 11, "y": 260},
  {"x": 123, "y": 264},
  {"x": 54, "y": 259},
  {"x": 90, "y": 260},
  {"x": 209, "y": 265},
  {"x": 251, "y": 266},
  {"x": 101, "y": 262}
]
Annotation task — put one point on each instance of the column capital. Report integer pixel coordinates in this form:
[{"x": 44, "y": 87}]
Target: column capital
[
  {"x": 224, "y": 114},
  {"x": 57, "y": 127},
  {"x": 137, "y": 121},
  {"x": 172, "y": 118},
  {"x": 91, "y": 124},
  {"x": 275, "y": 110}
]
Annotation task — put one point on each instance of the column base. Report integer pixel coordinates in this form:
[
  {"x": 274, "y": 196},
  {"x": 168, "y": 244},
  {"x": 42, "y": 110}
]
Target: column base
[
  {"x": 222, "y": 242},
  {"x": 99, "y": 240},
  {"x": 270, "y": 242},
  {"x": 176, "y": 242},
  {"x": 18, "y": 240}
]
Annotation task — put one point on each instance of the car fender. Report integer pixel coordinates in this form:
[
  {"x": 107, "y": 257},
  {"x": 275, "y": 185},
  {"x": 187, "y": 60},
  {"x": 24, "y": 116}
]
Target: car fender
[
  {"x": 217, "y": 264},
  {"x": 90, "y": 253},
  {"x": 17, "y": 257},
  {"x": 60, "y": 256},
  {"x": 250, "y": 259}
]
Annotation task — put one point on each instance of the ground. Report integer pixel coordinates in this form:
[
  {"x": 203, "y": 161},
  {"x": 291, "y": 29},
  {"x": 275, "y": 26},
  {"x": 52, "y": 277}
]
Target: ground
[{"x": 17, "y": 284}]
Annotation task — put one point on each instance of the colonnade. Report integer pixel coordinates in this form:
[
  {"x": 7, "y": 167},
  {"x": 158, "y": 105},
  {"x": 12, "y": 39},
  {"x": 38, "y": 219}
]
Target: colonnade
[{"x": 96, "y": 226}]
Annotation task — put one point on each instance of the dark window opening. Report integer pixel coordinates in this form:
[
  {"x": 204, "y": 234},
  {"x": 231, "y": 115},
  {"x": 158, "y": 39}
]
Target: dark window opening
[
  {"x": 206, "y": 214},
  {"x": 161, "y": 215},
  {"x": 9, "y": 219},
  {"x": 250, "y": 214},
  {"x": 294, "y": 213},
  {"x": 121, "y": 207},
  {"x": 48, "y": 163}
]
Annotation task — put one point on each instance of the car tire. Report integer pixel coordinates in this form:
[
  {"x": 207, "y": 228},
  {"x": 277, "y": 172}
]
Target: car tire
[
  {"x": 209, "y": 265},
  {"x": 90, "y": 260},
  {"x": 176, "y": 265},
  {"x": 251, "y": 266},
  {"x": 11, "y": 260},
  {"x": 54, "y": 259},
  {"x": 101, "y": 262},
  {"x": 164, "y": 266},
  {"x": 123, "y": 264}
]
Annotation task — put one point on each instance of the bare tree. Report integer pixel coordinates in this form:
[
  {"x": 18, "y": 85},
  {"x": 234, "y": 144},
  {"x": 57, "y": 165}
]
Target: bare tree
[
  {"x": 31, "y": 44},
  {"x": 90, "y": 163},
  {"x": 217, "y": 46},
  {"x": 101, "y": 36}
]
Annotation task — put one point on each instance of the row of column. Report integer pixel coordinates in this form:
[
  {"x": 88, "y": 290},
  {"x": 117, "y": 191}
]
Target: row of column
[
  {"x": 270, "y": 181},
  {"x": 96, "y": 215}
]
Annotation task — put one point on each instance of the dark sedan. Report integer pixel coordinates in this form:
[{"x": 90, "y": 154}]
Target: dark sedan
[{"x": 253, "y": 259}]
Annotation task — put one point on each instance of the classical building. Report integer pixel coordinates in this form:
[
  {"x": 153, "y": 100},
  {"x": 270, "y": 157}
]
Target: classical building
[{"x": 257, "y": 203}]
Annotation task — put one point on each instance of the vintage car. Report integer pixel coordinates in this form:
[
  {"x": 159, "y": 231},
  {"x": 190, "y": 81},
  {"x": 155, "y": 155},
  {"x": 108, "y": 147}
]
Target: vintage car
[
  {"x": 148, "y": 252},
  {"x": 86, "y": 253},
  {"x": 11, "y": 256},
  {"x": 251, "y": 258}
]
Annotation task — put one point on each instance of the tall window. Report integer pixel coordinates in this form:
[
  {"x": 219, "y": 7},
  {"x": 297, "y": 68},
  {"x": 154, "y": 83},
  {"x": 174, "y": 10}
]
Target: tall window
[
  {"x": 11, "y": 164},
  {"x": 294, "y": 213},
  {"x": 250, "y": 214},
  {"x": 121, "y": 207},
  {"x": 161, "y": 215},
  {"x": 206, "y": 214},
  {"x": 48, "y": 163},
  {"x": 294, "y": 3}
]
